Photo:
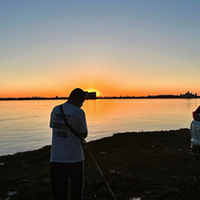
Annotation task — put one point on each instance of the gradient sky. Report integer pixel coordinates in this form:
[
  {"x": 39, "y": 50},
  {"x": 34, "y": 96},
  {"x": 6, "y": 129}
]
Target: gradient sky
[{"x": 116, "y": 47}]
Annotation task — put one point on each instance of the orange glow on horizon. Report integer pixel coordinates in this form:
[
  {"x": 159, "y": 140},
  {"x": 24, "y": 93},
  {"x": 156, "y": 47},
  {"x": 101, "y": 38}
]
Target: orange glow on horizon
[{"x": 102, "y": 90}]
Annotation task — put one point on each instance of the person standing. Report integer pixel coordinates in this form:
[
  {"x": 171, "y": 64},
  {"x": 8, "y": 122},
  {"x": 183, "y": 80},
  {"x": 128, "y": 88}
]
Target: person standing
[{"x": 69, "y": 128}]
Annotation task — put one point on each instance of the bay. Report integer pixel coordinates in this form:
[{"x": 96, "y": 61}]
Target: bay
[{"x": 24, "y": 125}]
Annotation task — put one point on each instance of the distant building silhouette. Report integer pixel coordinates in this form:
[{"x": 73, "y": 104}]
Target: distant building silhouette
[
  {"x": 91, "y": 95},
  {"x": 188, "y": 95}
]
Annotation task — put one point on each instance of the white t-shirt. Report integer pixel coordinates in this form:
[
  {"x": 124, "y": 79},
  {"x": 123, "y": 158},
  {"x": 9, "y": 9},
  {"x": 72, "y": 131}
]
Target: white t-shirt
[{"x": 66, "y": 146}]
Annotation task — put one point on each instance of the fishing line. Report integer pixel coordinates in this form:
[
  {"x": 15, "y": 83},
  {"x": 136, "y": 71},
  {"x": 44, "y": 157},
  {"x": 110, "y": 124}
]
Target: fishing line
[{"x": 100, "y": 171}]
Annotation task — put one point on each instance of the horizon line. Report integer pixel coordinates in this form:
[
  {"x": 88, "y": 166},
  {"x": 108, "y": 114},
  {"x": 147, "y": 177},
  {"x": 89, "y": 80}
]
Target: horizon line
[{"x": 186, "y": 95}]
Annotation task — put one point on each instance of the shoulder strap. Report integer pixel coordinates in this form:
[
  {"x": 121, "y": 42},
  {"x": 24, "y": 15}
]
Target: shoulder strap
[{"x": 67, "y": 124}]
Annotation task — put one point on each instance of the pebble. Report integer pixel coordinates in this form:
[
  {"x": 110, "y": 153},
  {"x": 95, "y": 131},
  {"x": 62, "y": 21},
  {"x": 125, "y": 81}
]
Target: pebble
[
  {"x": 11, "y": 193},
  {"x": 103, "y": 153},
  {"x": 112, "y": 171}
]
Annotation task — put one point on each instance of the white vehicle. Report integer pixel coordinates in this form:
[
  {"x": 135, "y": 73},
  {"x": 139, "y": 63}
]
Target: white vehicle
[{"x": 195, "y": 133}]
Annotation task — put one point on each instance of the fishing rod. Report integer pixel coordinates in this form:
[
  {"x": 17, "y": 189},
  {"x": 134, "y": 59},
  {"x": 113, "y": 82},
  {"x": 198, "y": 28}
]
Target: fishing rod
[{"x": 100, "y": 171}]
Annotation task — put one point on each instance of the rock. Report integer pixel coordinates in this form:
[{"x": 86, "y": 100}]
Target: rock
[
  {"x": 112, "y": 171},
  {"x": 11, "y": 193},
  {"x": 103, "y": 153}
]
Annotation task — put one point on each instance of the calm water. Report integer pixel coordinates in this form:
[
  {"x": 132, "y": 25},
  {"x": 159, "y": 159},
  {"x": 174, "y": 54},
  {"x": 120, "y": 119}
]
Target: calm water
[{"x": 24, "y": 125}]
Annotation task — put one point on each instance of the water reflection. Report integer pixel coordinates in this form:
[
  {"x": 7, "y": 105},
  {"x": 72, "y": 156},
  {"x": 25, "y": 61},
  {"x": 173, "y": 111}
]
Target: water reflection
[
  {"x": 24, "y": 125},
  {"x": 138, "y": 114}
]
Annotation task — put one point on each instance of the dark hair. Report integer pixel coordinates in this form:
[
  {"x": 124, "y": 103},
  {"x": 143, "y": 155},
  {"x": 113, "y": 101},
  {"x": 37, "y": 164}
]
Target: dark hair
[{"x": 77, "y": 94}]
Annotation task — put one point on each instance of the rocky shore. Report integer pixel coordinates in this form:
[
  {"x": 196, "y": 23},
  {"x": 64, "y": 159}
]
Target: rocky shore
[{"x": 144, "y": 165}]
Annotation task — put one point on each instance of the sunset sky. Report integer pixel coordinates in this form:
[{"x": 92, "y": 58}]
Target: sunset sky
[{"x": 114, "y": 47}]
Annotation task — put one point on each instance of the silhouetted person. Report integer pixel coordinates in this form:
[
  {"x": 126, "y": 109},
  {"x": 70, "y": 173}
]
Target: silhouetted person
[{"x": 67, "y": 152}]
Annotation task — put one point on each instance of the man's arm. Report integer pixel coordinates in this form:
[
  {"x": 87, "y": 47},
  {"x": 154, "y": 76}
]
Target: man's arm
[{"x": 83, "y": 128}]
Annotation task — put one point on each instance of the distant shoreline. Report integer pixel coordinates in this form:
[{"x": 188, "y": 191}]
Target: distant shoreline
[{"x": 121, "y": 97}]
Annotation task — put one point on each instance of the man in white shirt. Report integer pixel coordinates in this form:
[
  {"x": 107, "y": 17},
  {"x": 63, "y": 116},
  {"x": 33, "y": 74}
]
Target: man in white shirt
[{"x": 69, "y": 128}]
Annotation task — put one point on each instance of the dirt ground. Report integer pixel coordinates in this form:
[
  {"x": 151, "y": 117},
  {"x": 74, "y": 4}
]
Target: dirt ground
[{"x": 145, "y": 165}]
